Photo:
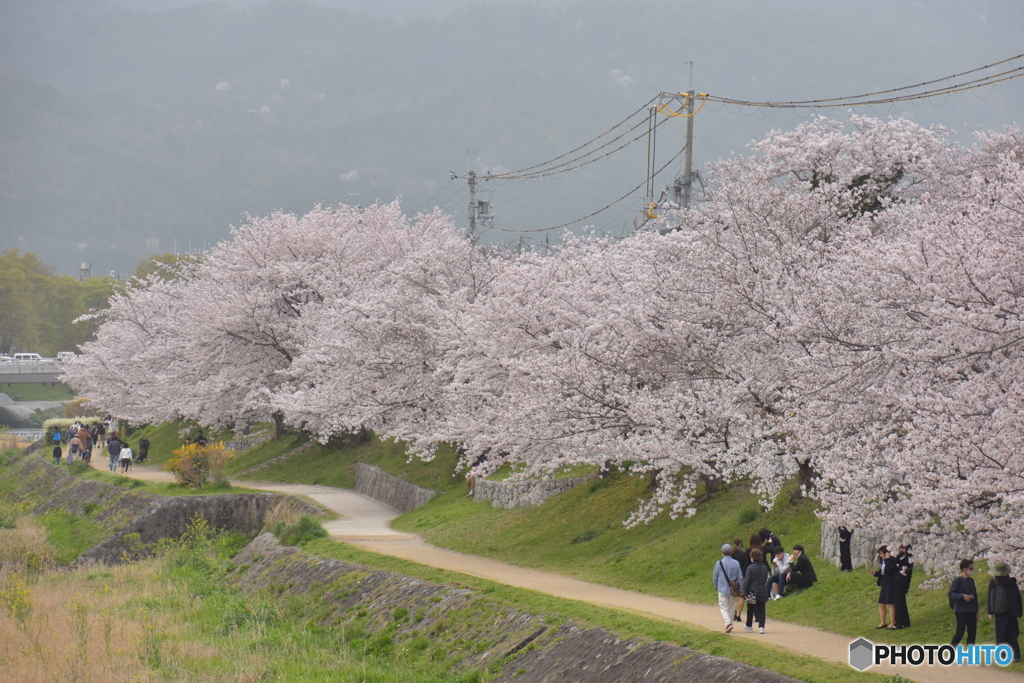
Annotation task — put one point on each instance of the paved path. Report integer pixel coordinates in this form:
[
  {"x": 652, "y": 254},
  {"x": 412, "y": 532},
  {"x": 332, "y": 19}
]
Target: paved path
[{"x": 365, "y": 523}]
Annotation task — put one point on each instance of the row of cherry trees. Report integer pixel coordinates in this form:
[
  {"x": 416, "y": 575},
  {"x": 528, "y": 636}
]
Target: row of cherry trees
[{"x": 847, "y": 307}]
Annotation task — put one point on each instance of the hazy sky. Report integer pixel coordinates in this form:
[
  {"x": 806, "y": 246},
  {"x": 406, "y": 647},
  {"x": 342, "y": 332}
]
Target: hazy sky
[{"x": 117, "y": 145}]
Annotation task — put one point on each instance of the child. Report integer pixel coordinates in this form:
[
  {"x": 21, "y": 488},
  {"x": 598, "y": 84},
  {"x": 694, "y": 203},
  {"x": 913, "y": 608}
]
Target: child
[{"x": 57, "y": 453}]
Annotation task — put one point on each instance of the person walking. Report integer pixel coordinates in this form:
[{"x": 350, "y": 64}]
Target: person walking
[
  {"x": 113, "y": 452},
  {"x": 57, "y": 453},
  {"x": 126, "y": 458},
  {"x": 755, "y": 583},
  {"x": 74, "y": 447},
  {"x": 1004, "y": 605},
  {"x": 726, "y": 579},
  {"x": 886, "y": 576},
  {"x": 963, "y": 596}
]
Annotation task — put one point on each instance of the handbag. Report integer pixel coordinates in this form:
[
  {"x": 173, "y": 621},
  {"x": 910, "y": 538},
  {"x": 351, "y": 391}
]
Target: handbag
[{"x": 751, "y": 598}]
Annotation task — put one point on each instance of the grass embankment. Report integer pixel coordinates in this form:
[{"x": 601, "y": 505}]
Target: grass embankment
[
  {"x": 580, "y": 534},
  {"x": 177, "y": 617},
  {"x": 48, "y": 391}
]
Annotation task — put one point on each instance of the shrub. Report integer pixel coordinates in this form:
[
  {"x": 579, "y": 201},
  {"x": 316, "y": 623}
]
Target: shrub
[
  {"x": 195, "y": 465},
  {"x": 305, "y": 529}
]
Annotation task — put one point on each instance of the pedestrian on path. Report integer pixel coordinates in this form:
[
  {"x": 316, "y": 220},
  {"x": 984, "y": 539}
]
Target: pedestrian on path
[
  {"x": 1004, "y": 605},
  {"x": 963, "y": 596},
  {"x": 57, "y": 454},
  {"x": 755, "y": 583},
  {"x": 114, "y": 452},
  {"x": 726, "y": 579},
  {"x": 126, "y": 458}
]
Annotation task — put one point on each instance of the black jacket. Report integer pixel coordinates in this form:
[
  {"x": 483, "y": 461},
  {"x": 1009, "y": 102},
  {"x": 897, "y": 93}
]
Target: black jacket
[
  {"x": 891, "y": 575},
  {"x": 960, "y": 587},
  {"x": 803, "y": 567},
  {"x": 1012, "y": 590}
]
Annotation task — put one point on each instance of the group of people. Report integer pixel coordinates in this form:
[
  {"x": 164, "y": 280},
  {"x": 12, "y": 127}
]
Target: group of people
[
  {"x": 893, "y": 578},
  {"x": 81, "y": 442},
  {"x": 1004, "y": 605},
  {"x": 756, "y": 575}
]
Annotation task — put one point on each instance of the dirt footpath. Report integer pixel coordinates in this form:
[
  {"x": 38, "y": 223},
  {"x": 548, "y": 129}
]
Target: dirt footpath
[{"x": 365, "y": 523}]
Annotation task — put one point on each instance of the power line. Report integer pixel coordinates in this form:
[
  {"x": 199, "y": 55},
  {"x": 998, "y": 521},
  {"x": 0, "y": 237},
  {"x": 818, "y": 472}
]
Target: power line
[{"x": 863, "y": 100}]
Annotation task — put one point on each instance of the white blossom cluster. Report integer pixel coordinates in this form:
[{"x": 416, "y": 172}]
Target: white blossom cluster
[{"x": 847, "y": 306}]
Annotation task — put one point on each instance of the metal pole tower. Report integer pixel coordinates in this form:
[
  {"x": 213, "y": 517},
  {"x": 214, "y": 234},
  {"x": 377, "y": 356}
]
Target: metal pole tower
[
  {"x": 688, "y": 159},
  {"x": 471, "y": 177}
]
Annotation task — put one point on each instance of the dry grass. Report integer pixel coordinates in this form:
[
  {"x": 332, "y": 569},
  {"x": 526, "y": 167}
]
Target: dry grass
[
  {"x": 25, "y": 545},
  {"x": 9, "y": 441},
  {"x": 290, "y": 511}
]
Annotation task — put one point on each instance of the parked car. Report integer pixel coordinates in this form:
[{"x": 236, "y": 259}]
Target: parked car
[
  {"x": 6, "y": 360},
  {"x": 27, "y": 358},
  {"x": 64, "y": 355}
]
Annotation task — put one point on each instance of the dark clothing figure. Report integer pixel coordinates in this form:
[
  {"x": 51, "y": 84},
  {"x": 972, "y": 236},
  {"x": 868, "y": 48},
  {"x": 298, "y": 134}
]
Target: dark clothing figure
[
  {"x": 801, "y": 573},
  {"x": 964, "y": 596},
  {"x": 201, "y": 440},
  {"x": 887, "y": 575},
  {"x": 1008, "y": 622},
  {"x": 743, "y": 557},
  {"x": 143, "y": 449},
  {"x": 845, "y": 561},
  {"x": 57, "y": 453},
  {"x": 755, "y": 579},
  {"x": 905, "y": 569}
]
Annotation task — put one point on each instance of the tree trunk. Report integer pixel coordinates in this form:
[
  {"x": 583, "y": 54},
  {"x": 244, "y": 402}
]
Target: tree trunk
[
  {"x": 711, "y": 486},
  {"x": 278, "y": 425},
  {"x": 806, "y": 475}
]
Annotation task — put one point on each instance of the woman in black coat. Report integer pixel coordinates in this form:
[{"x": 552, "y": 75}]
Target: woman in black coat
[
  {"x": 755, "y": 580},
  {"x": 887, "y": 574},
  {"x": 905, "y": 569}
]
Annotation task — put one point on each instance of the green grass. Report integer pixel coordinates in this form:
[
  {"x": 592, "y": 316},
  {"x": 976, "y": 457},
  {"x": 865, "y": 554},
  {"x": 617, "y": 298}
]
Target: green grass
[
  {"x": 48, "y": 391},
  {"x": 674, "y": 558},
  {"x": 623, "y": 624},
  {"x": 334, "y": 464},
  {"x": 71, "y": 535}
]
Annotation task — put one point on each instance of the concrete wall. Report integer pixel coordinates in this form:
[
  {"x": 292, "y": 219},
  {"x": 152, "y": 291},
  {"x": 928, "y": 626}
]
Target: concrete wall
[
  {"x": 508, "y": 494},
  {"x": 390, "y": 490}
]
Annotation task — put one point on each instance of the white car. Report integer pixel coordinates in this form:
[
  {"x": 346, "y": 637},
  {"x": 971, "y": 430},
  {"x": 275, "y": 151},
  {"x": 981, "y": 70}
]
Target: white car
[
  {"x": 28, "y": 358},
  {"x": 6, "y": 360}
]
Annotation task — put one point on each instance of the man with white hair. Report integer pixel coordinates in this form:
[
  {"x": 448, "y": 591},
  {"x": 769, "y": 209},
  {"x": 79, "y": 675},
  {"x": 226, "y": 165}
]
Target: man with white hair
[{"x": 726, "y": 579}]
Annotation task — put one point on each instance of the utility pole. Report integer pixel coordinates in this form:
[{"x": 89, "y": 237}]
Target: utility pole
[
  {"x": 471, "y": 177},
  {"x": 688, "y": 159}
]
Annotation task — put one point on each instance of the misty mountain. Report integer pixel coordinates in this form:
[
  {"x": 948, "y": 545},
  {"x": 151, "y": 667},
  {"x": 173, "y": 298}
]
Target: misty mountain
[{"x": 137, "y": 127}]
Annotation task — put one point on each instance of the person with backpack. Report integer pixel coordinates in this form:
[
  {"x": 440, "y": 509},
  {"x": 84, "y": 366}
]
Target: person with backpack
[
  {"x": 74, "y": 446},
  {"x": 1004, "y": 605},
  {"x": 963, "y": 598}
]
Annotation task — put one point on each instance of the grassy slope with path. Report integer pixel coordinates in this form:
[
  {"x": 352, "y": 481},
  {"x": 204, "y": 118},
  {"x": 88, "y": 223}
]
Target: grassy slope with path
[{"x": 580, "y": 534}]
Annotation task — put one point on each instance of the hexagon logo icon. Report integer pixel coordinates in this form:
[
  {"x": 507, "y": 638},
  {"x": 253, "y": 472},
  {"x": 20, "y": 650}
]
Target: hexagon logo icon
[{"x": 861, "y": 654}]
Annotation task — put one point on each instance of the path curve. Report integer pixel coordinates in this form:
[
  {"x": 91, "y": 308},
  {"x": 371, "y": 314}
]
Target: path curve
[{"x": 366, "y": 523}]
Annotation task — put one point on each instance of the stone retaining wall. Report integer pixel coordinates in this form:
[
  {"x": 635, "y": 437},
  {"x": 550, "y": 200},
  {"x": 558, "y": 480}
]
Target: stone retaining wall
[
  {"x": 929, "y": 553},
  {"x": 472, "y": 631},
  {"x": 514, "y": 494},
  {"x": 390, "y": 490},
  {"x": 169, "y": 517},
  {"x": 125, "y": 512}
]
